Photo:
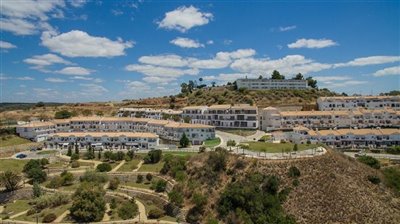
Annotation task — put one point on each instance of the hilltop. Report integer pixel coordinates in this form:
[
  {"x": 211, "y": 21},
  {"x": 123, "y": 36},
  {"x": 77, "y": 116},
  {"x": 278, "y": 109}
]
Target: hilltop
[{"x": 328, "y": 189}]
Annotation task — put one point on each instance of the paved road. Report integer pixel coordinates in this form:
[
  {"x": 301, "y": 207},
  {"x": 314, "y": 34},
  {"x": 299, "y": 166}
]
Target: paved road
[{"x": 376, "y": 155}]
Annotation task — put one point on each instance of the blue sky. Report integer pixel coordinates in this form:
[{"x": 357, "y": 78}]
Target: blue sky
[{"x": 77, "y": 51}]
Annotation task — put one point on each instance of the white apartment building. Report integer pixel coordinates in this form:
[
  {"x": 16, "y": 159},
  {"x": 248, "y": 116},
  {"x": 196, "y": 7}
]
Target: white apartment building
[
  {"x": 197, "y": 133},
  {"x": 36, "y": 131},
  {"x": 158, "y": 114},
  {"x": 348, "y": 138},
  {"x": 242, "y": 116},
  {"x": 273, "y": 119},
  {"x": 113, "y": 140},
  {"x": 263, "y": 84},
  {"x": 353, "y": 102}
]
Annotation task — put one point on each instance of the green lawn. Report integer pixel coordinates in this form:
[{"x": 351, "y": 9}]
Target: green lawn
[
  {"x": 11, "y": 140},
  {"x": 129, "y": 166},
  {"x": 149, "y": 205},
  {"x": 241, "y": 132},
  {"x": 276, "y": 147},
  {"x": 58, "y": 164},
  {"x": 144, "y": 185},
  {"x": 151, "y": 167},
  {"x": 212, "y": 142},
  {"x": 14, "y": 208},
  {"x": 12, "y": 164},
  {"x": 45, "y": 152},
  {"x": 182, "y": 153}
]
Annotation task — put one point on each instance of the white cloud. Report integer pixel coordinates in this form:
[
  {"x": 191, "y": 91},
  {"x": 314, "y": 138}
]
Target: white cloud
[
  {"x": 75, "y": 71},
  {"x": 222, "y": 59},
  {"x": 41, "y": 61},
  {"x": 290, "y": 64},
  {"x": 227, "y": 42},
  {"x": 25, "y": 78},
  {"x": 223, "y": 78},
  {"x": 388, "y": 71},
  {"x": 312, "y": 43},
  {"x": 91, "y": 89},
  {"x": 158, "y": 80},
  {"x": 185, "y": 18},
  {"x": 77, "y": 3},
  {"x": 117, "y": 12},
  {"x": 331, "y": 78},
  {"x": 6, "y": 45},
  {"x": 77, "y": 43},
  {"x": 337, "y": 81},
  {"x": 371, "y": 60},
  {"x": 159, "y": 71},
  {"x": 55, "y": 80},
  {"x": 186, "y": 43},
  {"x": 45, "y": 92},
  {"x": 169, "y": 60},
  {"x": 28, "y": 16},
  {"x": 209, "y": 42},
  {"x": 286, "y": 28}
]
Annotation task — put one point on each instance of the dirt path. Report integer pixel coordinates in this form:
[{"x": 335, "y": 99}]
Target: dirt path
[
  {"x": 142, "y": 212},
  {"x": 118, "y": 166},
  {"x": 61, "y": 217},
  {"x": 106, "y": 217},
  {"x": 138, "y": 166},
  {"x": 19, "y": 214}
]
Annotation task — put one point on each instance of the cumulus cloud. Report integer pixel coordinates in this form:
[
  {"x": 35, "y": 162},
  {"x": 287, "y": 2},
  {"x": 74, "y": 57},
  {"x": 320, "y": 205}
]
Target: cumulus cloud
[
  {"x": 186, "y": 43},
  {"x": 223, "y": 78},
  {"x": 77, "y": 3},
  {"x": 184, "y": 18},
  {"x": 169, "y": 60},
  {"x": 312, "y": 43},
  {"x": 151, "y": 70},
  {"x": 41, "y": 61},
  {"x": 55, "y": 80},
  {"x": 77, "y": 43},
  {"x": 25, "y": 78},
  {"x": 29, "y": 16},
  {"x": 372, "y": 60},
  {"x": 338, "y": 81},
  {"x": 91, "y": 89},
  {"x": 291, "y": 64},
  {"x": 388, "y": 71},
  {"x": 6, "y": 45},
  {"x": 75, "y": 71},
  {"x": 222, "y": 59}
]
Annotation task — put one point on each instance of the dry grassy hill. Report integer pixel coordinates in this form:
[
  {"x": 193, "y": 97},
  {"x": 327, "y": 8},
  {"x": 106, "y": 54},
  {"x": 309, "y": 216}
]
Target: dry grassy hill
[{"x": 332, "y": 188}]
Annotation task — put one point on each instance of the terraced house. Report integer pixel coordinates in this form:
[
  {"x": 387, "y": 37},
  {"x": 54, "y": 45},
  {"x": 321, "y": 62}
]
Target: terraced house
[
  {"x": 274, "y": 119},
  {"x": 353, "y": 102},
  {"x": 347, "y": 138},
  {"x": 197, "y": 133},
  {"x": 158, "y": 114},
  {"x": 243, "y": 116}
]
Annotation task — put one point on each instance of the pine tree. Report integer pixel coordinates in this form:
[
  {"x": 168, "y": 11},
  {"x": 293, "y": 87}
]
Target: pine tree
[
  {"x": 184, "y": 141},
  {"x": 99, "y": 155},
  {"x": 69, "y": 153}
]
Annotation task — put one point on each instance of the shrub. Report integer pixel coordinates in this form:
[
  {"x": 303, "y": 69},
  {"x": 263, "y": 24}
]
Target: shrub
[
  {"x": 10, "y": 180},
  {"x": 149, "y": 177},
  {"x": 104, "y": 167},
  {"x": 88, "y": 203},
  {"x": 67, "y": 178},
  {"x": 374, "y": 179},
  {"x": 44, "y": 162},
  {"x": 154, "y": 156},
  {"x": 51, "y": 200},
  {"x": 74, "y": 157},
  {"x": 114, "y": 183},
  {"x": 75, "y": 164},
  {"x": 155, "y": 213},
  {"x": 36, "y": 190},
  {"x": 128, "y": 209},
  {"x": 394, "y": 150},
  {"x": 160, "y": 185},
  {"x": 370, "y": 161},
  {"x": 176, "y": 197},
  {"x": 119, "y": 156},
  {"x": 202, "y": 149},
  {"x": 37, "y": 175},
  {"x": 296, "y": 182},
  {"x": 32, "y": 164},
  {"x": 49, "y": 218},
  {"x": 113, "y": 203},
  {"x": 217, "y": 160},
  {"x": 294, "y": 172},
  {"x": 55, "y": 182},
  {"x": 139, "y": 179}
]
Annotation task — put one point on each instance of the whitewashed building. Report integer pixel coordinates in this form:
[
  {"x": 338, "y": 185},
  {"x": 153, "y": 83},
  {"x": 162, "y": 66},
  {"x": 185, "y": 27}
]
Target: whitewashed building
[
  {"x": 158, "y": 114},
  {"x": 273, "y": 119},
  {"x": 240, "y": 116},
  {"x": 113, "y": 140},
  {"x": 264, "y": 84},
  {"x": 348, "y": 138},
  {"x": 353, "y": 102},
  {"x": 36, "y": 131}
]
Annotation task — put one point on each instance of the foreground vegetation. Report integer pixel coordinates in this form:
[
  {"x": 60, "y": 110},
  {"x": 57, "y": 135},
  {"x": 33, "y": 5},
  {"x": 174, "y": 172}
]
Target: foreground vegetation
[{"x": 277, "y": 147}]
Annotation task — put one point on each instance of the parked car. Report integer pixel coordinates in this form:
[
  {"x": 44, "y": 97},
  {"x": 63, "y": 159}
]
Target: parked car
[{"x": 21, "y": 156}]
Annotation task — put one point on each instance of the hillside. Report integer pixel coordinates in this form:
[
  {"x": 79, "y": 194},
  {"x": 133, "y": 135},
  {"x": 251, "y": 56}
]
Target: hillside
[
  {"x": 330, "y": 189},
  {"x": 205, "y": 96}
]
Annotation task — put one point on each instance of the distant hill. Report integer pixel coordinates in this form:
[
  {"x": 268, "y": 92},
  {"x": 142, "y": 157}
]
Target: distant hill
[{"x": 24, "y": 106}]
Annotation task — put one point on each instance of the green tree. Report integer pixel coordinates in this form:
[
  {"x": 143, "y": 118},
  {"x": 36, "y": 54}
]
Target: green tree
[
  {"x": 149, "y": 177},
  {"x": 67, "y": 178},
  {"x": 160, "y": 185},
  {"x": 37, "y": 175},
  {"x": 63, "y": 114},
  {"x": 114, "y": 183},
  {"x": 88, "y": 203},
  {"x": 260, "y": 77},
  {"x": 37, "y": 191},
  {"x": 295, "y": 148},
  {"x": 10, "y": 180},
  {"x": 139, "y": 179},
  {"x": 104, "y": 167},
  {"x": 39, "y": 104},
  {"x": 299, "y": 76},
  {"x": 99, "y": 155},
  {"x": 184, "y": 88},
  {"x": 153, "y": 156},
  {"x": 69, "y": 152},
  {"x": 128, "y": 209},
  {"x": 277, "y": 75},
  {"x": 184, "y": 141},
  {"x": 311, "y": 82},
  {"x": 31, "y": 164}
]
